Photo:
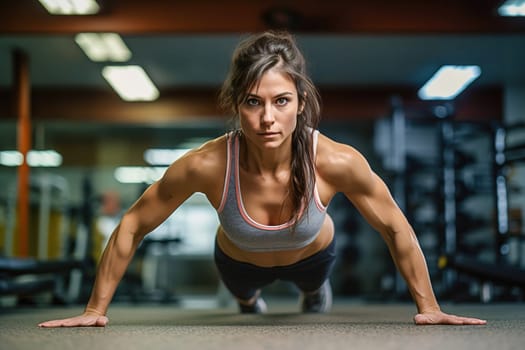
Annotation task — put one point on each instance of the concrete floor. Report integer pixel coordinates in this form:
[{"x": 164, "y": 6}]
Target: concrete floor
[{"x": 350, "y": 325}]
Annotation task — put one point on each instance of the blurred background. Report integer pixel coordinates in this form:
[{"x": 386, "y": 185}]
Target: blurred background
[{"x": 77, "y": 149}]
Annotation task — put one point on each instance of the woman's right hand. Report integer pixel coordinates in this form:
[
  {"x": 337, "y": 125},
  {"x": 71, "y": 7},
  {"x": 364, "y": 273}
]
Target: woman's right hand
[{"x": 87, "y": 319}]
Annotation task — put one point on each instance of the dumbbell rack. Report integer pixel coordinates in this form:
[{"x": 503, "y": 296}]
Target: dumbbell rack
[
  {"x": 456, "y": 196},
  {"x": 492, "y": 264}
]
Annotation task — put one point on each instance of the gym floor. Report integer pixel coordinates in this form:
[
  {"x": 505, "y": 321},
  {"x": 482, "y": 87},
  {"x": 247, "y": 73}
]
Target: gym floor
[{"x": 351, "y": 324}]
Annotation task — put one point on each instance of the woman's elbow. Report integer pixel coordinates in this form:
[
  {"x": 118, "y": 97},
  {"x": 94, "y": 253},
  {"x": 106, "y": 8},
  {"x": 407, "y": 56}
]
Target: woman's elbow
[{"x": 130, "y": 228}]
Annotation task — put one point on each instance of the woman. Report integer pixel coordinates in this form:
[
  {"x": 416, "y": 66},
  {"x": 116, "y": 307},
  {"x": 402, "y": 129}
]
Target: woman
[{"x": 277, "y": 176}]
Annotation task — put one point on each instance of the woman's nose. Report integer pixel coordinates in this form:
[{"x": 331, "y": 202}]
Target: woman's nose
[{"x": 267, "y": 116}]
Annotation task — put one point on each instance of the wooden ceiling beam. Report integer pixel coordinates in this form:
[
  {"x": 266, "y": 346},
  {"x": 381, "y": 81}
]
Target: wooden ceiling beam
[{"x": 231, "y": 16}]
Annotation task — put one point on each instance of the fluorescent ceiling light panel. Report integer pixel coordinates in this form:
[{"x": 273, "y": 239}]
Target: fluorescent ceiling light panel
[
  {"x": 11, "y": 158},
  {"x": 448, "y": 82},
  {"x": 103, "y": 47},
  {"x": 159, "y": 156},
  {"x": 71, "y": 7},
  {"x": 40, "y": 158},
  {"x": 512, "y": 8},
  {"x": 131, "y": 83},
  {"x": 137, "y": 174}
]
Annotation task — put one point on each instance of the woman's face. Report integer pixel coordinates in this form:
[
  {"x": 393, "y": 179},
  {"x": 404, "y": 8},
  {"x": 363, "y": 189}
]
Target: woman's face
[{"x": 268, "y": 115}]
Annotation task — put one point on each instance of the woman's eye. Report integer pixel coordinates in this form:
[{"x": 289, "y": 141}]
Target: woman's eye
[
  {"x": 282, "y": 101},
  {"x": 252, "y": 102}
]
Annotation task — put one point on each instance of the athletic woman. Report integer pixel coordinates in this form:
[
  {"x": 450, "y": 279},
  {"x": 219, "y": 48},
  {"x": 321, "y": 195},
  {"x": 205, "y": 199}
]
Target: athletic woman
[{"x": 270, "y": 180}]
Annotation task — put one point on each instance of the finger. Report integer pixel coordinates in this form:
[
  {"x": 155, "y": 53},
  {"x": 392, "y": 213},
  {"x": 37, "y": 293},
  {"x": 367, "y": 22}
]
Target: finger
[
  {"x": 51, "y": 324},
  {"x": 453, "y": 320},
  {"x": 98, "y": 321},
  {"x": 93, "y": 321},
  {"x": 458, "y": 320},
  {"x": 472, "y": 321},
  {"x": 422, "y": 319},
  {"x": 436, "y": 319},
  {"x": 78, "y": 322}
]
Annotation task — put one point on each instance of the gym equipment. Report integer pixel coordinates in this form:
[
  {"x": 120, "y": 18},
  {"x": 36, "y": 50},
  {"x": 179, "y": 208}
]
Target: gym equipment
[
  {"x": 52, "y": 264},
  {"x": 456, "y": 182},
  {"x": 485, "y": 272},
  {"x": 505, "y": 154},
  {"x": 12, "y": 268},
  {"x": 504, "y": 269}
]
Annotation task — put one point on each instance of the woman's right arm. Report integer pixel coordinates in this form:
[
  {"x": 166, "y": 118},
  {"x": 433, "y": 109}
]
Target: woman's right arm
[{"x": 181, "y": 180}]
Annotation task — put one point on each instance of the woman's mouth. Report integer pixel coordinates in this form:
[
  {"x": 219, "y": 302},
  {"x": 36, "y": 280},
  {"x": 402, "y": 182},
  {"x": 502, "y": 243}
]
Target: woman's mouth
[{"x": 268, "y": 134}]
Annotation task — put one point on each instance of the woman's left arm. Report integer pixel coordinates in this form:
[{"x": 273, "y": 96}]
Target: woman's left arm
[
  {"x": 380, "y": 210},
  {"x": 350, "y": 173}
]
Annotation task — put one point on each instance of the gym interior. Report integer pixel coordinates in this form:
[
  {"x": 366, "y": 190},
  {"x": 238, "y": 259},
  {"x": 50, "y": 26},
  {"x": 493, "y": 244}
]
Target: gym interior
[{"x": 75, "y": 154}]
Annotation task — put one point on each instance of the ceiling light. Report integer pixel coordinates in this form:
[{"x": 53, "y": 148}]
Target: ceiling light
[
  {"x": 512, "y": 8},
  {"x": 11, "y": 158},
  {"x": 448, "y": 82},
  {"x": 137, "y": 174},
  {"x": 40, "y": 158},
  {"x": 103, "y": 47},
  {"x": 131, "y": 83},
  {"x": 159, "y": 156},
  {"x": 70, "y": 7}
]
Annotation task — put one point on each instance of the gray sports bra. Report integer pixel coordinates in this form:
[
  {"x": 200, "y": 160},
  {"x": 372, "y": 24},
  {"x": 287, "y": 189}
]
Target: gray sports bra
[{"x": 250, "y": 235}]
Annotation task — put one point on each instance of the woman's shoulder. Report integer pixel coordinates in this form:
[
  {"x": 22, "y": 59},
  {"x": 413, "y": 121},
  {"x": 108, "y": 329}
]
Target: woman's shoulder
[
  {"x": 198, "y": 169},
  {"x": 201, "y": 162},
  {"x": 338, "y": 162},
  {"x": 210, "y": 154},
  {"x": 332, "y": 153}
]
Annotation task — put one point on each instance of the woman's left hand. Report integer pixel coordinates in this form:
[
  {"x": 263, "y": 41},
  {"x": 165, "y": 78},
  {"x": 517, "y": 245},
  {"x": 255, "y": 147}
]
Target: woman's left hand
[{"x": 438, "y": 317}]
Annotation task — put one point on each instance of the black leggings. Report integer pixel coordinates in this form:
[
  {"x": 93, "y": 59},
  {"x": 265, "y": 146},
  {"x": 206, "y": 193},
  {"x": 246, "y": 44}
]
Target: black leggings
[{"x": 243, "y": 279}]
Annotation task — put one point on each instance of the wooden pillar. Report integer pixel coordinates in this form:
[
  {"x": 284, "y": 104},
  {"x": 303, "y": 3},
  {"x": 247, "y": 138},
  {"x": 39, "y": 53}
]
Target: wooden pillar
[{"x": 23, "y": 112}]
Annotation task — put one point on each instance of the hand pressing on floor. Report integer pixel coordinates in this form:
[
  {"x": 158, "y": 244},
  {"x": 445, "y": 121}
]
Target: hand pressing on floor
[
  {"x": 87, "y": 319},
  {"x": 439, "y": 317}
]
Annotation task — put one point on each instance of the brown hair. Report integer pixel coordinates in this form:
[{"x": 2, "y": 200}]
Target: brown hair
[{"x": 253, "y": 57}]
